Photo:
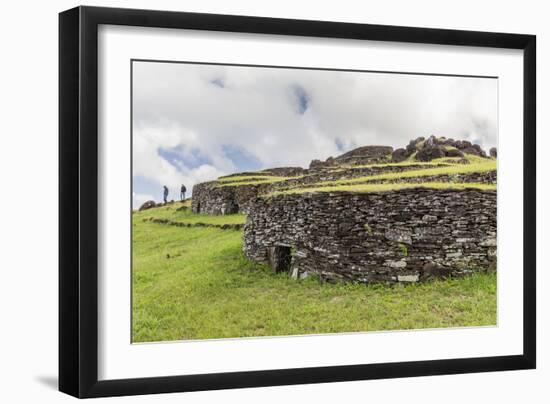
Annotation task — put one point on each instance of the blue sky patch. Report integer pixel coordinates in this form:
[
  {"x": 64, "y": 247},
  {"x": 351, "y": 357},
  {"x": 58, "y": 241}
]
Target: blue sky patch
[
  {"x": 241, "y": 158},
  {"x": 302, "y": 99},
  {"x": 218, "y": 83},
  {"x": 339, "y": 144},
  {"x": 147, "y": 186},
  {"x": 178, "y": 155}
]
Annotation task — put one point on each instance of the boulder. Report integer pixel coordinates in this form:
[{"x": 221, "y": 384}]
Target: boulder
[
  {"x": 476, "y": 151},
  {"x": 411, "y": 147},
  {"x": 431, "y": 141},
  {"x": 399, "y": 155},
  {"x": 316, "y": 164},
  {"x": 493, "y": 152},
  {"x": 433, "y": 270},
  {"x": 430, "y": 152},
  {"x": 453, "y": 153},
  {"x": 365, "y": 154},
  {"x": 449, "y": 142},
  {"x": 147, "y": 205},
  {"x": 462, "y": 144}
]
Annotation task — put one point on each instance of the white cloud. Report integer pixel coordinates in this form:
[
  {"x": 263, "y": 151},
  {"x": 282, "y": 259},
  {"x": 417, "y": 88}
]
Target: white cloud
[{"x": 199, "y": 110}]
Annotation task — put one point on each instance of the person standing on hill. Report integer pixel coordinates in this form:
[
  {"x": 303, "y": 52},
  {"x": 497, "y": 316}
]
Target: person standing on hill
[
  {"x": 165, "y": 193},
  {"x": 182, "y": 192}
]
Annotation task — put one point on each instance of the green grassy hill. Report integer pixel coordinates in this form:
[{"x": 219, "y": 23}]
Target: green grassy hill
[
  {"x": 194, "y": 283},
  {"x": 440, "y": 173}
]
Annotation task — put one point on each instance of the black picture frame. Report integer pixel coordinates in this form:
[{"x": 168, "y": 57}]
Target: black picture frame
[{"x": 78, "y": 201}]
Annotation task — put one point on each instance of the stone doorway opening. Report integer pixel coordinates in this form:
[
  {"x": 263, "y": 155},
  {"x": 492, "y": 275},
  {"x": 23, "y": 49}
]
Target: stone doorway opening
[
  {"x": 229, "y": 208},
  {"x": 280, "y": 258}
]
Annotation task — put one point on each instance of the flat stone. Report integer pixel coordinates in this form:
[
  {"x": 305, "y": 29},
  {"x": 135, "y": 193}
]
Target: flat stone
[
  {"x": 399, "y": 235},
  {"x": 489, "y": 242},
  {"x": 304, "y": 275},
  {"x": 294, "y": 274},
  {"x": 429, "y": 218},
  {"x": 408, "y": 278},
  {"x": 465, "y": 240},
  {"x": 396, "y": 264},
  {"x": 456, "y": 254}
]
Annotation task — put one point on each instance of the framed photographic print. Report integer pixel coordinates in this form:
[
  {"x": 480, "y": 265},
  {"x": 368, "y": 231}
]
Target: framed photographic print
[{"x": 250, "y": 201}]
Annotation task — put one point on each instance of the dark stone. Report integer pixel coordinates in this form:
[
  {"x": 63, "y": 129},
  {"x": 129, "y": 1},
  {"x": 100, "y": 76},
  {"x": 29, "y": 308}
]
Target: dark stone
[
  {"x": 433, "y": 270},
  {"x": 449, "y": 142},
  {"x": 493, "y": 152},
  {"x": 453, "y": 153},
  {"x": 411, "y": 147},
  {"x": 366, "y": 152},
  {"x": 462, "y": 144},
  {"x": 316, "y": 164},
  {"x": 472, "y": 150},
  {"x": 399, "y": 155},
  {"x": 431, "y": 141},
  {"x": 147, "y": 205},
  {"x": 428, "y": 152},
  {"x": 284, "y": 171}
]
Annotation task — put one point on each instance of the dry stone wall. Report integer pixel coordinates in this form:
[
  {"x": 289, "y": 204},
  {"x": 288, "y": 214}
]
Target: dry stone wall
[
  {"x": 215, "y": 198},
  {"x": 212, "y": 199},
  {"x": 408, "y": 235}
]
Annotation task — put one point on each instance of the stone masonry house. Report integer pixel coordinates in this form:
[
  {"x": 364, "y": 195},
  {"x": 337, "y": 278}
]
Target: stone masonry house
[{"x": 373, "y": 214}]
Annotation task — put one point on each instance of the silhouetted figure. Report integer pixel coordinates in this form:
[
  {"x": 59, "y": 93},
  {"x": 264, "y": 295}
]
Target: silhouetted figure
[
  {"x": 165, "y": 194},
  {"x": 182, "y": 192}
]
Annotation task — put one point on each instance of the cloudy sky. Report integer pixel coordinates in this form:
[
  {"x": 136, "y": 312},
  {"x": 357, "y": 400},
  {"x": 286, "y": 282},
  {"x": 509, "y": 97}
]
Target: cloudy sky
[{"x": 193, "y": 123}]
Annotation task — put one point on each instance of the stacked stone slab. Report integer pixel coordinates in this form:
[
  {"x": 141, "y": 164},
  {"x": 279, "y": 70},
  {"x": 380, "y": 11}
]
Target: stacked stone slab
[
  {"x": 397, "y": 236},
  {"x": 360, "y": 155},
  {"x": 216, "y": 198},
  {"x": 212, "y": 199}
]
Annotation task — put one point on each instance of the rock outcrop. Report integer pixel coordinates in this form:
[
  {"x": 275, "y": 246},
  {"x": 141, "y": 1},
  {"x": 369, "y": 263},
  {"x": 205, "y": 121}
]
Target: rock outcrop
[
  {"x": 436, "y": 147},
  {"x": 147, "y": 205},
  {"x": 358, "y": 156}
]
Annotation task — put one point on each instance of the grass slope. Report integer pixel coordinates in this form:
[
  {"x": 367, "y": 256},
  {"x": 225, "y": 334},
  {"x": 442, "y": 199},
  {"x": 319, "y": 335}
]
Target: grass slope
[
  {"x": 236, "y": 181},
  {"x": 171, "y": 212},
  {"x": 384, "y": 187},
  {"x": 195, "y": 283},
  {"x": 392, "y": 180},
  {"x": 475, "y": 167}
]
